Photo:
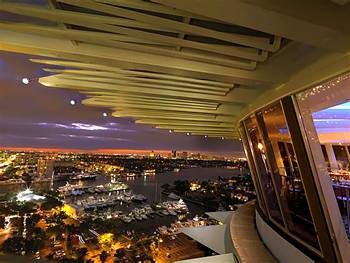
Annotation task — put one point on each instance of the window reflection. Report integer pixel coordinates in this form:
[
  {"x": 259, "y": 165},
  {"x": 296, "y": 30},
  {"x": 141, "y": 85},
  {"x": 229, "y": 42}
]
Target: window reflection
[
  {"x": 256, "y": 144},
  {"x": 287, "y": 177}
]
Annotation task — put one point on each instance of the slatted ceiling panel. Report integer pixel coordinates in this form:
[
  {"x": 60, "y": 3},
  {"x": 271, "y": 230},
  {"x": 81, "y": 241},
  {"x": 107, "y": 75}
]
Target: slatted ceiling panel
[{"x": 179, "y": 99}]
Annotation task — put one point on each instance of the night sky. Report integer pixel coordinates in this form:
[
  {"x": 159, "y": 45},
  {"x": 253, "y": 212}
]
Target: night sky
[{"x": 41, "y": 117}]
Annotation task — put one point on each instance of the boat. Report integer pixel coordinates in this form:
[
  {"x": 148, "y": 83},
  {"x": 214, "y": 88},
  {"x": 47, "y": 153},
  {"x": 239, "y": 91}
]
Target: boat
[
  {"x": 85, "y": 176},
  {"x": 174, "y": 196},
  {"x": 139, "y": 198},
  {"x": 172, "y": 212},
  {"x": 164, "y": 212}
]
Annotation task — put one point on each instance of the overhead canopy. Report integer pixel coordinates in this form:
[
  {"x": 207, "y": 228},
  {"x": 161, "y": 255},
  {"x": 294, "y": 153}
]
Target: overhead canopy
[
  {"x": 215, "y": 237},
  {"x": 225, "y": 258},
  {"x": 190, "y": 66}
]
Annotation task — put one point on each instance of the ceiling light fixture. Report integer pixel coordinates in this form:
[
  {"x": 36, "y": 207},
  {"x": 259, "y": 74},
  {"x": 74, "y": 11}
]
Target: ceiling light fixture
[
  {"x": 25, "y": 81},
  {"x": 72, "y": 102},
  {"x": 105, "y": 114}
]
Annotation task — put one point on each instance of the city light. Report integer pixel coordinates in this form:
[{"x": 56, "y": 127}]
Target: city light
[
  {"x": 25, "y": 81},
  {"x": 260, "y": 146}
]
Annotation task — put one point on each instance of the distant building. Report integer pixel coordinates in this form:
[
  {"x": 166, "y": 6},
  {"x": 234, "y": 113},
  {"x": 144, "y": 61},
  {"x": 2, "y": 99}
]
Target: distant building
[
  {"x": 183, "y": 155},
  {"x": 173, "y": 154}
]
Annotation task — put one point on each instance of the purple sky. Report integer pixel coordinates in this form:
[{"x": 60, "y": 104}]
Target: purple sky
[{"x": 37, "y": 116}]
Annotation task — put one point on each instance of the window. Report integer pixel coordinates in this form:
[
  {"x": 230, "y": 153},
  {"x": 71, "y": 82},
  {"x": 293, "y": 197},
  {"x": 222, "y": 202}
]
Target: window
[
  {"x": 289, "y": 185},
  {"x": 264, "y": 173}
]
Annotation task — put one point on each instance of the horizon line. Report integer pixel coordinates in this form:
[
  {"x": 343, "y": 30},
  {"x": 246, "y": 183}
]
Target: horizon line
[{"x": 109, "y": 151}]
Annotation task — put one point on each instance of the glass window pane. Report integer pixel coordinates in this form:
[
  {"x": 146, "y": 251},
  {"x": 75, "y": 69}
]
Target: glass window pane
[
  {"x": 341, "y": 157},
  {"x": 288, "y": 182},
  {"x": 264, "y": 173},
  {"x": 253, "y": 172},
  {"x": 325, "y": 155}
]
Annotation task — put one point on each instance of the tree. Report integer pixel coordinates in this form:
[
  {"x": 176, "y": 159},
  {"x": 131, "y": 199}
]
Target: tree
[
  {"x": 27, "y": 178},
  {"x": 13, "y": 245},
  {"x": 103, "y": 256},
  {"x": 106, "y": 240},
  {"x": 2, "y": 221},
  {"x": 82, "y": 252}
]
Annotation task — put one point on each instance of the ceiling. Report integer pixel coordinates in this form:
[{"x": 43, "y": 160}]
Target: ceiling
[{"x": 189, "y": 66}]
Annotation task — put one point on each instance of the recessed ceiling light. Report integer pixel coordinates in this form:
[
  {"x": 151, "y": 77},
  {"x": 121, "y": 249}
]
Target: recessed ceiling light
[
  {"x": 170, "y": 131},
  {"x": 105, "y": 114},
  {"x": 72, "y": 102},
  {"x": 25, "y": 81},
  {"x": 222, "y": 138},
  {"x": 188, "y": 134},
  {"x": 206, "y": 136}
]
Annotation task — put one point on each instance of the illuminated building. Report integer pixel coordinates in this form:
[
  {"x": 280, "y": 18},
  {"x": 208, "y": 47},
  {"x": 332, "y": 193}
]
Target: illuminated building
[
  {"x": 274, "y": 73},
  {"x": 183, "y": 155}
]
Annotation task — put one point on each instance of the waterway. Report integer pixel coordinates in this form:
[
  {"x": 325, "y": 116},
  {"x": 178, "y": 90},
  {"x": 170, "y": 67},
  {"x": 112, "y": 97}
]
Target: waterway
[{"x": 150, "y": 187}]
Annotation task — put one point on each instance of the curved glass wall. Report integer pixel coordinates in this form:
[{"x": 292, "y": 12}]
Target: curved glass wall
[
  {"x": 300, "y": 152},
  {"x": 278, "y": 173}
]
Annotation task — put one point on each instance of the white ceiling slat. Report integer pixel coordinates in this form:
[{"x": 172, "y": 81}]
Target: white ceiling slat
[
  {"x": 251, "y": 41},
  {"x": 133, "y": 84},
  {"x": 142, "y": 81},
  {"x": 101, "y": 68},
  {"x": 116, "y": 100},
  {"x": 53, "y": 81},
  {"x": 85, "y": 20},
  {"x": 122, "y": 41},
  {"x": 185, "y": 122},
  {"x": 118, "y": 95},
  {"x": 128, "y": 58},
  {"x": 149, "y": 6},
  {"x": 91, "y": 73},
  {"x": 171, "y": 115}
]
